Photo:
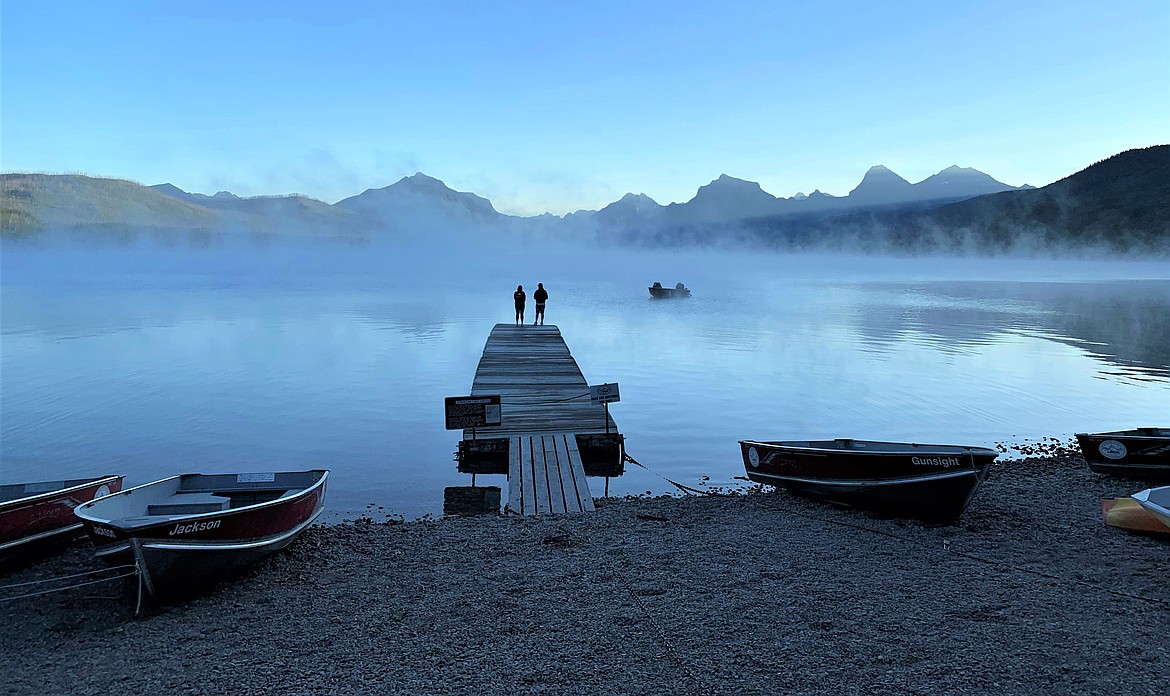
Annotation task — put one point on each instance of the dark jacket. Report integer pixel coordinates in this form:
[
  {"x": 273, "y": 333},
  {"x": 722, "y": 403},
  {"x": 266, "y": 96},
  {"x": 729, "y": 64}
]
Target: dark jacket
[
  {"x": 519, "y": 297},
  {"x": 541, "y": 295}
]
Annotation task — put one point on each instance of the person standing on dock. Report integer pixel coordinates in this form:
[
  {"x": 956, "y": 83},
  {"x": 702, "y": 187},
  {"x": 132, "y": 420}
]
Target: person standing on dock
[
  {"x": 519, "y": 296},
  {"x": 541, "y": 296}
]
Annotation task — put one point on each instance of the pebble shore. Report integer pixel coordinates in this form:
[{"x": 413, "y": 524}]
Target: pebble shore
[{"x": 759, "y": 592}]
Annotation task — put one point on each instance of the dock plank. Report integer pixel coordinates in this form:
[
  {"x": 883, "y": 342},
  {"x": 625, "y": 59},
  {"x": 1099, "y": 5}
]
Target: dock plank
[
  {"x": 515, "y": 491},
  {"x": 576, "y": 476},
  {"x": 535, "y": 446},
  {"x": 555, "y": 461}
]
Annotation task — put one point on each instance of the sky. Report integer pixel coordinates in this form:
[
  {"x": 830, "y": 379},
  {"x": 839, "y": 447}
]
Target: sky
[{"x": 556, "y": 107}]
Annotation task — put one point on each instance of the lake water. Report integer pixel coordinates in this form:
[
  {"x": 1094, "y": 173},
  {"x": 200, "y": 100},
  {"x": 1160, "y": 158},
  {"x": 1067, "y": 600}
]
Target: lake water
[{"x": 154, "y": 363}]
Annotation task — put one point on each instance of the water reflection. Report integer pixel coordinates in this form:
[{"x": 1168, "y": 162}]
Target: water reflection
[{"x": 1123, "y": 324}]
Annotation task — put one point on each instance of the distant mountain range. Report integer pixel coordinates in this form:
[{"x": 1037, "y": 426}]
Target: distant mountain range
[{"x": 1121, "y": 203}]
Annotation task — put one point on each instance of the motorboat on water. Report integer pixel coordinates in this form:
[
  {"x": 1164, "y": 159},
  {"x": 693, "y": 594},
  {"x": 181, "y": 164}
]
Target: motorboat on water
[
  {"x": 1141, "y": 453},
  {"x": 185, "y": 532},
  {"x": 35, "y": 516},
  {"x": 928, "y": 482},
  {"x": 658, "y": 292}
]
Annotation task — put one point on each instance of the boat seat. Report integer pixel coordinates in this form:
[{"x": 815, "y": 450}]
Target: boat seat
[
  {"x": 220, "y": 489},
  {"x": 189, "y": 504},
  {"x": 130, "y": 523}
]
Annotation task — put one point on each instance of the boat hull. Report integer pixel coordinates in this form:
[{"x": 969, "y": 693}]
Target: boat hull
[
  {"x": 178, "y": 556},
  {"x": 924, "y": 485},
  {"x": 669, "y": 293},
  {"x": 1156, "y": 501},
  {"x": 1128, "y": 513},
  {"x": 39, "y": 522},
  {"x": 1142, "y": 454},
  {"x": 176, "y": 570}
]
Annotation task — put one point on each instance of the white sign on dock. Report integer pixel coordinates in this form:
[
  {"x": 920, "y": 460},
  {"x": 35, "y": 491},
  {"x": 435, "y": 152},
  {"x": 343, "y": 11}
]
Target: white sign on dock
[{"x": 604, "y": 393}]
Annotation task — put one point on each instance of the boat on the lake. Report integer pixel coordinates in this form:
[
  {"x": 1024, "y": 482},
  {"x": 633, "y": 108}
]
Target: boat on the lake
[
  {"x": 658, "y": 292},
  {"x": 36, "y": 516},
  {"x": 1156, "y": 501},
  {"x": 1127, "y": 513},
  {"x": 1141, "y": 453},
  {"x": 928, "y": 482},
  {"x": 185, "y": 532}
]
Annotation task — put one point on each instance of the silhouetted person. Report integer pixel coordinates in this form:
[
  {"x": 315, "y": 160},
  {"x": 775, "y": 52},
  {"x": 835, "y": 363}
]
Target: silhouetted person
[
  {"x": 541, "y": 296},
  {"x": 519, "y": 296}
]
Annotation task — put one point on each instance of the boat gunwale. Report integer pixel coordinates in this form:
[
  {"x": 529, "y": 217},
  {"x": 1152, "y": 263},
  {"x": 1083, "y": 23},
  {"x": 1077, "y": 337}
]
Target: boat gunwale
[
  {"x": 1127, "y": 434},
  {"x": 34, "y": 498},
  {"x": 862, "y": 483},
  {"x": 167, "y": 519},
  {"x": 963, "y": 449},
  {"x": 41, "y": 536}
]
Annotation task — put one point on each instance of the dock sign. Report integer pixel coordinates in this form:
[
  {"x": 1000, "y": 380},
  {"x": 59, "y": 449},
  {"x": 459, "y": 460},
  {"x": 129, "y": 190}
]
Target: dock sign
[
  {"x": 604, "y": 393},
  {"x": 472, "y": 411}
]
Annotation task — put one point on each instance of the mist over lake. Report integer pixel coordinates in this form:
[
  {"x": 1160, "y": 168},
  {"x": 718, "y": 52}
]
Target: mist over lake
[{"x": 151, "y": 362}]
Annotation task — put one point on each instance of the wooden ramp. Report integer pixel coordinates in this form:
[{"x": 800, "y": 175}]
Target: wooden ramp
[{"x": 545, "y": 475}]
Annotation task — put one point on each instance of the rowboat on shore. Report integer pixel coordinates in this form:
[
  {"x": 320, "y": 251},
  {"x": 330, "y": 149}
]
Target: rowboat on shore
[
  {"x": 658, "y": 292},
  {"x": 185, "y": 532},
  {"x": 1141, "y": 453},
  {"x": 1156, "y": 501},
  {"x": 1127, "y": 513},
  {"x": 35, "y": 516},
  {"x": 928, "y": 482}
]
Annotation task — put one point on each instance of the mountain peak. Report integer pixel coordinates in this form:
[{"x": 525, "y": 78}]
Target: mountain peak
[
  {"x": 638, "y": 199},
  {"x": 630, "y": 208},
  {"x": 730, "y": 181},
  {"x": 730, "y": 198},
  {"x": 422, "y": 181},
  {"x": 880, "y": 182},
  {"x": 420, "y": 197},
  {"x": 958, "y": 181}
]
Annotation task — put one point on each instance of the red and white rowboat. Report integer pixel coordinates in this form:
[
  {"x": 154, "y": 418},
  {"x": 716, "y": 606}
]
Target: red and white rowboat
[
  {"x": 187, "y": 531},
  {"x": 36, "y": 515}
]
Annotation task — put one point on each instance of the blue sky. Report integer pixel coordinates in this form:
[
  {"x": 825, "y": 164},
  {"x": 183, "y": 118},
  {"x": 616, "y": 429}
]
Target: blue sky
[{"x": 565, "y": 106}]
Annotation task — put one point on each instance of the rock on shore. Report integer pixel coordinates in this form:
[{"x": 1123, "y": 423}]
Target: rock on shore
[{"x": 761, "y": 592}]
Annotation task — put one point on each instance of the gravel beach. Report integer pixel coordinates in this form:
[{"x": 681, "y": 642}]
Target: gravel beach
[{"x": 758, "y": 592}]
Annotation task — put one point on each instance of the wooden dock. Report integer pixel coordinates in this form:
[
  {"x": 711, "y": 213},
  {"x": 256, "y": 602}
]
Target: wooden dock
[{"x": 551, "y": 435}]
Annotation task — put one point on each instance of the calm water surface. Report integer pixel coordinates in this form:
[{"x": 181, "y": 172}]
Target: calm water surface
[{"x": 176, "y": 361}]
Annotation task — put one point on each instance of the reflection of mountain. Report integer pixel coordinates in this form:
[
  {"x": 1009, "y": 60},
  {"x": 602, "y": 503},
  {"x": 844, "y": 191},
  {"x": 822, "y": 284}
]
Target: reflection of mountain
[
  {"x": 949, "y": 329},
  {"x": 1130, "y": 328},
  {"x": 1121, "y": 323}
]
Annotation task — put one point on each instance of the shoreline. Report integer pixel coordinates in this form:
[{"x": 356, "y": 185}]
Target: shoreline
[{"x": 753, "y": 592}]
